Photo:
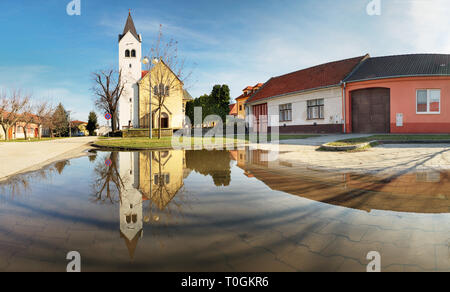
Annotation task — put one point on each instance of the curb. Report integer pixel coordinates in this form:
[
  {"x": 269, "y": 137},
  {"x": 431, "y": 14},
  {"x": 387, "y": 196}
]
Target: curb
[{"x": 373, "y": 143}]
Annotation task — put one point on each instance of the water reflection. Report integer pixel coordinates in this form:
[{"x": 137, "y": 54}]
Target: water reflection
[
  {"x": 400, "y": 191},
  {"x": 21, "y": 184},
  {"x": 146, "y": 183},
  {"x": 222, "y": 211}
]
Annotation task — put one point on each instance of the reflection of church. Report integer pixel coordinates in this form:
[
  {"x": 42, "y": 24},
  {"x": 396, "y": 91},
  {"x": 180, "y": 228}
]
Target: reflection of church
[{"x": 154, "y": 177}]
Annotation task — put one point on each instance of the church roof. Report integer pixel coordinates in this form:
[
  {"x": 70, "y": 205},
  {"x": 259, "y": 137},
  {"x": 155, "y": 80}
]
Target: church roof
[{"x": 129, "y": 27}]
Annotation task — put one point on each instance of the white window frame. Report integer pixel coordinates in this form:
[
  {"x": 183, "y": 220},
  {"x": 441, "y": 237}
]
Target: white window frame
[
  {"x": 428, "y": 102},
  {"x": 319, "y": 104},
  {"x": 286, "y": 111}
]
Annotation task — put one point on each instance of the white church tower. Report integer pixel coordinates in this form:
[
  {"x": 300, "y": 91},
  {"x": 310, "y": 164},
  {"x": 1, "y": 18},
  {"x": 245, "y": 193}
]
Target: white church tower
[{"x": 130, "y": 54}]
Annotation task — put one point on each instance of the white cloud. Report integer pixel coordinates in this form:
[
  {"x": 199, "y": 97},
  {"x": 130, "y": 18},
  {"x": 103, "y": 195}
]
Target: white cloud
[{"x": 421, "y": 25}]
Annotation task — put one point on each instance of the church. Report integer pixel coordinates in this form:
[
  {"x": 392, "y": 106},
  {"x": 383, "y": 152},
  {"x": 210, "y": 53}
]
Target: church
[{"x": 134, "y": 105}]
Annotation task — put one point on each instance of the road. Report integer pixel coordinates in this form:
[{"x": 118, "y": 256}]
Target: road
[{"x": 19, "y": 157}]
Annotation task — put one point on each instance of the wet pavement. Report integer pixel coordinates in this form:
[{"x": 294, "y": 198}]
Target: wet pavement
[{"x": 222, "y": 211}]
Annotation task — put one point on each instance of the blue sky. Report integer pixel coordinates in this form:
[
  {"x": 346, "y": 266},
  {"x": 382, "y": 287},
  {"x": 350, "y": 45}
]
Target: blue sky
[{"x": 51, "y": 54}]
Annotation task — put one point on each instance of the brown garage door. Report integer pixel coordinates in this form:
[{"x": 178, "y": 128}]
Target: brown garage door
[{"x": 371, "y": 110}]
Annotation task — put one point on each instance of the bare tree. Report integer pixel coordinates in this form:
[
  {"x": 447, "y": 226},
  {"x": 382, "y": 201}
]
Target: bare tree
[
  {"x": 43, "y": 112},
  {"x": 108, "y": 88},
  {"x": 12, "y": 107},
  {"x": 27, "y": 118},
  {"x": 167, "y": 73}
]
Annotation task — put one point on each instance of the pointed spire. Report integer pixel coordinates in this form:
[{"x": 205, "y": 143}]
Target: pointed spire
[
  {"x": 129, "y": 27},
  {"x": 131, "y": 243}
]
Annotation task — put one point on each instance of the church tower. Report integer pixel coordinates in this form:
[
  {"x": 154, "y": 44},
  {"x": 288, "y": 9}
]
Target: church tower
[{"x": 130, "y": 55}]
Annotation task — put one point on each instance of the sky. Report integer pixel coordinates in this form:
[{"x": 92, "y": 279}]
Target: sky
[{"x": 51, "y": 55}]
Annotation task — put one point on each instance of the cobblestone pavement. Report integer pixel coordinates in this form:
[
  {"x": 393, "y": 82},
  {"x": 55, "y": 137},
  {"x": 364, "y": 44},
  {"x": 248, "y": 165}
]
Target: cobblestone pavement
[{"x": 407, "y": 157}]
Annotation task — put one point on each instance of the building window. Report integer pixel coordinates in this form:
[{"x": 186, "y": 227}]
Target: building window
[
  {"x": 240, "y": 107},
  {"x": 127, "y": 53},
  {"x": 133, "y": 53},
  {"x": 286, "y": 112},
  {"x": 428, "y": 101},
  {"x": 316, "y": 109}
]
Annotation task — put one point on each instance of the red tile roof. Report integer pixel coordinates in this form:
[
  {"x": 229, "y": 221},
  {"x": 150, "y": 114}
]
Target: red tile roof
[
  {"x": 249, "y": 90},
  {"x": 78, "y": 122},
  {"x": 144, "y": 73},
  {"x": 311, "y": 78}
]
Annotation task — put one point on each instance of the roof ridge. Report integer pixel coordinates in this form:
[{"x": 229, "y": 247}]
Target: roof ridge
[
  {"x": 324, "y": 64},
  {"x": 412, "y": 54}
]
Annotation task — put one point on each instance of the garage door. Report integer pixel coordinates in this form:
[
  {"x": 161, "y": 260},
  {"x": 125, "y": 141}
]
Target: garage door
[{"x": 371, "y": 110}]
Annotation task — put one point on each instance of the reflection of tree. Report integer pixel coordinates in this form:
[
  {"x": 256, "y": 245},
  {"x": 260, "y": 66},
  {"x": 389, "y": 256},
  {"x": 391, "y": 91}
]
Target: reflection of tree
[
  {"x": 107, "y": 184},
  {"x": 162, "y": 185},
  {"x": 164, "y": 189},
  {"x": 213, "y": 163},
  {"x": 93, "y": 157},
  {"x": 21, "y": 184},
  {"x": 61, "y": 165}
]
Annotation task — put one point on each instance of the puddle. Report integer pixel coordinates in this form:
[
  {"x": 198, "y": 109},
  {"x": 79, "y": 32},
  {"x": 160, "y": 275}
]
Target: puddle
[{"x": 220, "y": 211}]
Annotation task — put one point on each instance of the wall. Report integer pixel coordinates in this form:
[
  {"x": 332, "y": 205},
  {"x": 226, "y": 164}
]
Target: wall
[
  {"x": 18, "y": 131},
  {"x": 333, "y": 117},
  {"x": 174, "y": 102},
  {"x": 403, "y": 100},
  {"x": 240, "y": 103}
]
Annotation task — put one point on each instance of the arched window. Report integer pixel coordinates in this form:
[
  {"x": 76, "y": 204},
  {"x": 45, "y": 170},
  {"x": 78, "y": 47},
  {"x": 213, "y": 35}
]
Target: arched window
[
  {"x": 127, "y": 53},
  {"x": 133, "y": 54}
]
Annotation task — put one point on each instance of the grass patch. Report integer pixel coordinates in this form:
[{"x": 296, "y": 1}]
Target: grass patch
[
  {"x": 399, "y": 138},
  {"x": 166, "y": 142}
]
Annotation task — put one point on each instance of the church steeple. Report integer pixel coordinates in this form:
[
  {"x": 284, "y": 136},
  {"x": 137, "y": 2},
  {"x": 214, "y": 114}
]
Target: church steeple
[{"x": 129, "y": 27}]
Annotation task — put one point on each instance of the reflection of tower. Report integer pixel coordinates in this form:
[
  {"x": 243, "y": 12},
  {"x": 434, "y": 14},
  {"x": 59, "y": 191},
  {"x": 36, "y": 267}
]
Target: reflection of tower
[{"x": 131, "y": 224}]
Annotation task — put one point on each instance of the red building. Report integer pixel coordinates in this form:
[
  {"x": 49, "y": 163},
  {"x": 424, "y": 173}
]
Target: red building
[{"x": 399, "y": 94}]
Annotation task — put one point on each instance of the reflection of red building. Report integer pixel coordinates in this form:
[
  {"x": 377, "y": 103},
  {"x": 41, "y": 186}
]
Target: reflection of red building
[{"x": 421, "y": 192}]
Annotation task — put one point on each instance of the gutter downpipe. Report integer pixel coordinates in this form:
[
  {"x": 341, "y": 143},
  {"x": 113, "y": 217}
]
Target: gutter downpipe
[{"x": 345, "y": 108}]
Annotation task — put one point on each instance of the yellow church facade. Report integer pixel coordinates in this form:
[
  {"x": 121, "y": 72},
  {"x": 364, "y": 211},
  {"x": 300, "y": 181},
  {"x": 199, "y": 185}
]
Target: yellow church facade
[{"x": 171, "y": 108}]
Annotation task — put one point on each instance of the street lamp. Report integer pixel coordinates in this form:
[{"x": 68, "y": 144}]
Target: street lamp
[{"x": 146, "y": 61}]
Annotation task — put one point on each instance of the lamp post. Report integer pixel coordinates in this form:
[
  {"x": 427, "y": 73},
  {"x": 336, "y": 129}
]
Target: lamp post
[{"x": 146, "y": 61}]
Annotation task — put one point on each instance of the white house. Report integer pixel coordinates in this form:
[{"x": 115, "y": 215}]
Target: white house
[{"x": 305, "y": 101}]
